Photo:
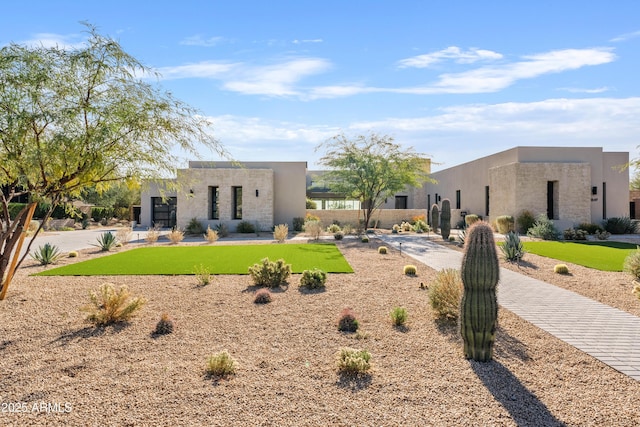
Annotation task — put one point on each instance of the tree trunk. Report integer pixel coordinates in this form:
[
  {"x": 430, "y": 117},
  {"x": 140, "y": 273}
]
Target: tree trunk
[{"x": 12, "y": 238}]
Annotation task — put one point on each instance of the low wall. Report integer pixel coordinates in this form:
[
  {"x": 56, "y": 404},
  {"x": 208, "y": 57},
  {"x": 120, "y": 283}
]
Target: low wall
[{"x": 382, "y": 218}]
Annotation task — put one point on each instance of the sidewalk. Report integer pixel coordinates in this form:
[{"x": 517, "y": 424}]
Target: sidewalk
[{"x": 606, "y": 333}]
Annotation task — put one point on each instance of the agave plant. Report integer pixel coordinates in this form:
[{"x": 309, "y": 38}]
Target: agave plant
[
  {"x": 47, "y": 254},
  {"x": 106, "y": 241}
]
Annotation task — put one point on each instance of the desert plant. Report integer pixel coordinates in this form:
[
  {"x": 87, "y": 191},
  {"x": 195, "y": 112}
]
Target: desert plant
[
  {"x": 382, "y": 250},
  {"x": 194, "y": 227},
  {"x": 505, "y": 224},
  {"x": 398, "y": 316},
  {"x": 109, "y": 305},
  {"x": 203, "y": 275},
  {"x": 444, "y": 294},
  {"x": 298, "y": 223},
  {"x": 590, "y": 227},
  {"x": 175, "y": 236},
  {"x": 106, "y": 241},
  {"x": 164, "y": 325},
  {"x": 445, "y": 219},
  {"x": 153, "y": 234},
  {"x": 347, "y": 229},
  {"x": 365, "y": 239},
  {"x": 245, "y": 227},
  {"x": 410, "y": 270},
  {"x": 396, "y": 228},
  {"x": 524, "y": 221},
  {"x": 543, "y": 229},
  {"x": 270, "y": 274},
  {"x": 574, "y": 234},
  {"x": 313, "y": 279},
  {"x": 561, "y": 269},
  {"x": 406, "y": 226},
  {"x": 338, "y": 235},
  {"x": 471, "y": 219},
  {"x": 435, "y": 218},
  {"x": 420, "y": 226},
  {"x": 631, "y": 264},
  {"x": 72, "y": 254},
  {"x": 221, "y": 364},
  {"x": 333, "y": 228},
  {"x": 480, "y": 273},
  {"x": 462, "y": 236},
  {"x": 313, "y": 228},
  {"x": 223, "y": 230},
  {"x": 353, "y": 362},
  {"x": 620, "y": 225},
  {"x": 636, "y": 290},
  {"x": 602, "y": 235},
  {"x": 512, "y": 248},
  {"x": 281, "y": 232},
  {"x": 347, "y": 321},
  {"x": 123, "y": 235},
  {"x": 262, "y": 296},
  {"x": 211, "y": 235},
  {"x": 47, "y": 254}
]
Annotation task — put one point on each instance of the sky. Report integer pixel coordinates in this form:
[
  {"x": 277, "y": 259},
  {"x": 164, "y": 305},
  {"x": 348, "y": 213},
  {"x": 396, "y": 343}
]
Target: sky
[{"x": 455, "y": 80}]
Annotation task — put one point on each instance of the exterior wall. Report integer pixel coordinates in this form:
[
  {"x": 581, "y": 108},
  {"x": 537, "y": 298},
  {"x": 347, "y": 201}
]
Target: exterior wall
[
  {"x": 617, "y": 180},
  {"x": 382, "y": 218},
  {"x": 153, "y": 189}
]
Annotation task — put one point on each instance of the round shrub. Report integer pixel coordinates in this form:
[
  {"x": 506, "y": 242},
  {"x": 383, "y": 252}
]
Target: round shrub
[
  {"x": 470, "y": 219},
  {"x": 270, "y": 274},
  {"x": 382, "y": 250},
  {"x": 347, "y": 321},
  {"x": 365, "y": 239},
  {"x": 338, "y": 235},
  {"x": 313, "y": 279},
  {"x": 164, "y": 325},
  {"x": 561, "y": 269},
  {"x": 353, "y": 362},
  {"x": 398, "y": 316},
  {"x": 333, "y": 228},
  {"x": 73, "y": 254},
  {"x": 410, "y": 270},
  {"x": 632, "y": 264},
  {"x": 263, "y": 296}
]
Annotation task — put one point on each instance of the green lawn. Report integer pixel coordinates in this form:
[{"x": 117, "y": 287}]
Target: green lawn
[
  {"x": 600, "y": 255},
  {"x": 234, "y": 259}
]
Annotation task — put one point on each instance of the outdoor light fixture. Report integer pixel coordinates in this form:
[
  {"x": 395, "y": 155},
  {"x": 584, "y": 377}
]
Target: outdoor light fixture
[
  {"x": 256, "y": 193},
  {"x": 594, "y": 190}
]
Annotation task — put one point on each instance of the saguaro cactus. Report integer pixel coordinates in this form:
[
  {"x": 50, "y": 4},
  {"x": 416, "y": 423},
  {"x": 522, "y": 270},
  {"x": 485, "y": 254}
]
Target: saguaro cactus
[
  {"x": 445, "y": 219},
  {"x": 435, "y": 218},
  {"x": 479, "y": 308}
]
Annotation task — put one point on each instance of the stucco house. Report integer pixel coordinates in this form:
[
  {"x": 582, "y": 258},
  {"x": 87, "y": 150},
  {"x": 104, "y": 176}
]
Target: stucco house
[
  {"x": 571, "y": 185},
  {"x": 262, "y": 193}
]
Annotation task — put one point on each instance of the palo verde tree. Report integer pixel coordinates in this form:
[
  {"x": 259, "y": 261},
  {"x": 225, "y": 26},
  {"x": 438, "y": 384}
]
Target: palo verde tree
[
  {"x": 77, "y": 118},
  {"x": 371, "y": 168}
]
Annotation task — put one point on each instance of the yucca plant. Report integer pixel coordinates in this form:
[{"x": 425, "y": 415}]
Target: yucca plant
[
  {"x": 106, "y": 241},
  {"x": 47, "y": 254},
  {"x": 512, "y": 248},
  {"x": 109, "y": 305}
]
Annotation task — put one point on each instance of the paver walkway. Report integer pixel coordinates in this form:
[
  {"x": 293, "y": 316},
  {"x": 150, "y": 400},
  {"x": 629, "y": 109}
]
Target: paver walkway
[{"x": 606, "y": 333}]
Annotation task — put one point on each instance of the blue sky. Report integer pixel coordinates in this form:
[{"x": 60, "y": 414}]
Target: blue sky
[{"x": 456, "y": 80}]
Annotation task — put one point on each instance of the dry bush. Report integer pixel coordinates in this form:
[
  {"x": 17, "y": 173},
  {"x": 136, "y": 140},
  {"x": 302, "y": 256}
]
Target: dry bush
[
  {"x": 211, "y": 235},
  {"x": 153, "y": 234},
  {"x": 221, "y": 364},
  {"x": 175, "y": 236},
  {"x": 124, "y": 235},
  {"x": 445, "y": 293},
  {"x": 203, "y": 275},
  {"x": 281, "y": 232},
  {"x": 109, "y": 305},
  {"x": 352, "y": 361},
  {"x": 313, "y": 229}
]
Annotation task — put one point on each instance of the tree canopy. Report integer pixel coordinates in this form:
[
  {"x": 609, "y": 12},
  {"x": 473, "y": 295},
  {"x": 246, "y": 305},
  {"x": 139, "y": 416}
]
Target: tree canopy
[
  {"x": 84, "y": 117},
  {"x": 371, "y": 168}
]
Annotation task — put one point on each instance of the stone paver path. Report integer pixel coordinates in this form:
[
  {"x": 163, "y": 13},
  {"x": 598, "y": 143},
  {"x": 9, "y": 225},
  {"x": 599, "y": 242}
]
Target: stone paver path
[{"x": 606, "y": 333}]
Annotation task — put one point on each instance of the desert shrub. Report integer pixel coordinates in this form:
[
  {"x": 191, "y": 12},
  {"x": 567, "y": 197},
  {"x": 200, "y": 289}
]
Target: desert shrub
[
  {"x": 223, "y": 230},
  {"x": 353, "y": 362},
  {"x": 631, "y": 264},
  {"x": 311, "y": 217},
  {"x": 347, "y": 229},
  {"x": 153, "y": 234},
  {"x": 636, "y": 290},
  {"x": 270, "y": 274},
  {"x": 106, "y": 241},
  {"x": 602, "y": 235},
  {"x": 620, "y": 225},
  {"x": 543, "y": 229},
  {"x": 175, "y": 236},
  {"x": 347, "y": 321},
  {"x": 313, "y": 279},
  {"x": 561, "y": 269},
  {"x": 313, "y": 228},
  {"x": 410, "y": 270},
  {"x": 420, "y": 226},
  {"x": 298, "y": 223},
  {"x": 470, "y": 219},
  {"x": 109, "y": 305},
  {"x": 164, "y": 325},
  {"x": 262, "y": 296},
  {"x": 398, "y": 316},
  {"x": 123, "y": 235},
  {"x": 417, "y": 218},
  {"x": 406, "y": 226},
  {"x": 382, "y": 250},
  {"x": 574, "y": 234},
  {"x": 445, "y": 293},
  {"x": 396, "y": 228},
  {"x": 512, "y": 248},
  {"x": 194, "y": 227},
  {"x": 72, "y": 254},
  {"x": 221, "y": 364},
  {"x": 338, "y": 235},
  {"x": 505, "y": 223},
  {"x": 281, "y": 232},
  {"x": 100, "y": 214},
  {"x": 211, "y": 235},
  {"x": 590, "y": 227},
  {"x": 47, "y": 254},
  {"x": 365, "y": 239},
  {"x": 524, "y": 221},
  {"x": 333, "y": 228},
  {"x": 203, "y": 275},
  {"x": 245, "y": 227}
]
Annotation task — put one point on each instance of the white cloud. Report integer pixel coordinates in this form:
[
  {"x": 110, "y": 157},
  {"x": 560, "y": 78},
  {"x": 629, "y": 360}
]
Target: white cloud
[
  {"x": 307, "y": 41},
  {"x": 626, "y": 36},
  {"x": 198, "y": 40},
  {"x": 453, "y": 53},
  {"x": 206, "y": 69},
  {"x": 582, "y": 90},
  {"x": 48, "y": 40}
]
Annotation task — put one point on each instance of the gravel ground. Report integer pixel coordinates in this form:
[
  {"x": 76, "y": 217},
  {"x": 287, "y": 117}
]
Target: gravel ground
[{"x": 286, "y": 351}]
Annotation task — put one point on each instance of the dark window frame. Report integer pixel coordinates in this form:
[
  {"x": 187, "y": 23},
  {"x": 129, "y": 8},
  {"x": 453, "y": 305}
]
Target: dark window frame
[
  {"x": 236, "y": 192},
  {"x": 214, "y": 202}
]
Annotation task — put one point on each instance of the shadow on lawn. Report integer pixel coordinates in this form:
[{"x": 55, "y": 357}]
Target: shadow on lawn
[{"x": 524, "y": 407}]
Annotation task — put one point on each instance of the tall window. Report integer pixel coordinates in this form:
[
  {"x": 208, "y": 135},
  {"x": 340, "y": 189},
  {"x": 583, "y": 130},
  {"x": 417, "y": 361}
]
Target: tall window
[
  {"x": 458, "y": 199},
  {"x": 486, "y": 200},
  {"x": 237, "y": 202},
  {"x": 604, "y": 200},
  {"x": 214, "y": 202},
  {"x": 552, "y": 200}
]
